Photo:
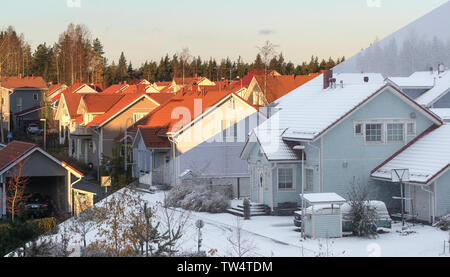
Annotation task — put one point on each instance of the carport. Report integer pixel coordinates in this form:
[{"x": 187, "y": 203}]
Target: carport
[{"x": 46, "y": 175}]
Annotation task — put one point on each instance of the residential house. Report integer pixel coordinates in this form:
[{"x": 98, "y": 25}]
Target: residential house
[
  {"x": 265, "y": 89},
  {"x": 104, "y": 118},
  {"x": 46, "y": 175},
  {"x": 22, "y": 94},
  {"x": 180, "y": 82},
  {"x": 66, "y": 110},
  {"x": 430, "y": 89},
  {"x": 167, "y": 142},
  {"x": 54, "y": 93},
  {"x": 244, "y": 82},
  {"x": 427, "y": 188},
  {"x": 328, "y": 135}
]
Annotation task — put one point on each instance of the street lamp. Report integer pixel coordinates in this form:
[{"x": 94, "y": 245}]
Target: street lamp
[
  {"x": 126, "y": 144},
  {"x": 45, "y": 132},
  {"x": 302, "y": 148}
]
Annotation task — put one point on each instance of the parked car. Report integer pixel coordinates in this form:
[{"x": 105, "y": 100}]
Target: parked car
[
  {"x": 34, "y": 129},
  {"x": 384, "y": 220},
  {"x": 38, "y": 206}
]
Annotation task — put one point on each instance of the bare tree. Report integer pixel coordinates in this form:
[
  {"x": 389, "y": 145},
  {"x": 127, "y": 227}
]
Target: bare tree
[
  {"x": 15, "y": 198},
  {"x": 241, "y": 246},
  {"x": 84, "y": 223},
  {"x": 185, "y": 57},
  {"x": 267, "y": 51}
]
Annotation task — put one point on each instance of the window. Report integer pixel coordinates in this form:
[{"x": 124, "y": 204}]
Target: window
[
  {"x": 19, "y": 104},
  {"x": 374, "y": 132},
  {"x": 395, "y": 132},
  {"x": 35, "y": 96},
  {"x": 285, "y": 178},
  {"x": 138, "y": 116},
  {"x": 227, "y": 131},
  {"x": 411, "y": 129},
  {"x": 309, "y": 179},
  {"x": 358, "y": 129}
]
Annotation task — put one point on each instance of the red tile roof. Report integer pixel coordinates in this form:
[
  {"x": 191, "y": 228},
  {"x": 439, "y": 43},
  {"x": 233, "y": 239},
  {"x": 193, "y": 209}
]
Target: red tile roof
[
  {"x": 14, "y": 151},
  {"x": 33, "y": 109},
  {"x": 22, "y": 82},
  {"x": 121, "y": 104},
  {"x": 247, "y": 79},
  {"x": 275, "y": 87},
  {"x": 99, "y": 103},
  {"x": 53, "y": 87},
  {"x": 160, "y": 121},
  {"x": 116, "y": 88}
]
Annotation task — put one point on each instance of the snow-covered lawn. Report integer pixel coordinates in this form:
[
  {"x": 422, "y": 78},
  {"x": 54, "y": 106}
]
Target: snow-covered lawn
[{"x": 277, "y": 236}]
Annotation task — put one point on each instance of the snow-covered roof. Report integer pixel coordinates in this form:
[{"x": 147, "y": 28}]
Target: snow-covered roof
[
  {"x": 441, "y": 87},
  {"x": 426, "y": 158},
  {"x": 408, "y": 82},
  {"x": 443, "y": 113},
  {"x": 323, "y": 198},
  {"x": 272, "y": 145},
  {"x": 310, "y": 109}
]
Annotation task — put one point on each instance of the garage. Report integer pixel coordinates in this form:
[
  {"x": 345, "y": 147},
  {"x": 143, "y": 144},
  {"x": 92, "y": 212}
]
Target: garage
[{"x": 44, "y": 174}]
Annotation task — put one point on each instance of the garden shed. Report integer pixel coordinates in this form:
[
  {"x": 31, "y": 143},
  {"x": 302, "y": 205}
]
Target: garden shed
[{"x": 323, "y": 217}]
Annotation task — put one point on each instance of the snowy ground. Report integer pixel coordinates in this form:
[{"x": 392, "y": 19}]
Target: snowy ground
[{"x": 277, "y": 236}]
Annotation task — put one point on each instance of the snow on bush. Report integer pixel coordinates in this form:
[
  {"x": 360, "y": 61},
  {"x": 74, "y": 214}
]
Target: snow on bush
[
  {"x": 197, "y": 198},
  {"x": 443, "y": 223}
]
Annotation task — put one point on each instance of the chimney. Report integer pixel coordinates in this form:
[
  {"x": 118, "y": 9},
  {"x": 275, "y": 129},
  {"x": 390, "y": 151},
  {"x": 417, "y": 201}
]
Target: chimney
[
  {"x": 431, "y": 70},
  {"x": 124, "y": 82},
  {"x": 366, "y": 79},
  {"x": 20, "y": 76},
  {"x": 196, "y": 76},
  {"x": 326, "y": 78}
]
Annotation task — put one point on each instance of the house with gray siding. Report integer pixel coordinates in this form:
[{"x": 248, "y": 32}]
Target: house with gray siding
[
  {"x": 24, "y": 95},
  {"x": 329, "y": 135},
  {"x": 430, "y": 89}
]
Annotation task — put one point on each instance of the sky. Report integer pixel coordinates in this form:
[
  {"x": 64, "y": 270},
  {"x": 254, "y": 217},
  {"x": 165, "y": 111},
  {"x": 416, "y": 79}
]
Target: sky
[{"x": 148, "y": 29}]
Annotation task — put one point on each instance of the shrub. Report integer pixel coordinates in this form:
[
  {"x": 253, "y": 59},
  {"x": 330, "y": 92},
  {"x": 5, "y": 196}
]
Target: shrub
[
  {"x": 443, "y": 223},
  {"x": 46, "y": 224},
  {"x": 197, "y": 198}
]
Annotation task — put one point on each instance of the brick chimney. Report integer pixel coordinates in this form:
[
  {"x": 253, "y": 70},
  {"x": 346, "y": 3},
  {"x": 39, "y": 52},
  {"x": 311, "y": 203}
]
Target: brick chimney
[{"x": 326, "y": 78}]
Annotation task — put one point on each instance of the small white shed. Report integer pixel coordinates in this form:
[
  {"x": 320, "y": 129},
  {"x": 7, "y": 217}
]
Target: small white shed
[{"x": 323, "y": 217}]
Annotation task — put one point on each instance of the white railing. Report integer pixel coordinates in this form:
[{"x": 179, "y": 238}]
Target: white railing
[{"x": 146, "y": 179}]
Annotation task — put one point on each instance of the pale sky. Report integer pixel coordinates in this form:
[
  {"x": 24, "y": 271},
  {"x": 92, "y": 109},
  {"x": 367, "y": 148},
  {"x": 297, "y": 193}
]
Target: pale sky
[{"x": 147, "y": 30}]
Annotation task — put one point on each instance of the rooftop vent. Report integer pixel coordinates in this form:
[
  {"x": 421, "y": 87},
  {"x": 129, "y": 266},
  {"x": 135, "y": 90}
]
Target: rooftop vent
[{"x": 366, "y": 79}]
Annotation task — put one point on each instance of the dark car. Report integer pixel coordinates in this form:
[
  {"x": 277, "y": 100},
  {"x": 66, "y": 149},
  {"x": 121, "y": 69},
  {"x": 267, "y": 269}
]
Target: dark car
[{"x": 38, "y": 206}]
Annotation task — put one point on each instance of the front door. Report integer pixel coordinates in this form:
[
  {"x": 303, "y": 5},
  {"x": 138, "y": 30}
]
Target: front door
[
  {"x": 261, "y": 184},
  {"x": 421, "y": 204}
]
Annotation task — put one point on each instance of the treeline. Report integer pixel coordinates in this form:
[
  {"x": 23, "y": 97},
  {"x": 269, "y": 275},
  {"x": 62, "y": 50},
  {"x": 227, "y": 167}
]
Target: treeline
[
  {"x": 75, "y": 56},
  {"x": 393, "y": 58}
]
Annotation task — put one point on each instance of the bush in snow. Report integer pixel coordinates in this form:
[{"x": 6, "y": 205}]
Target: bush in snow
[
  {"x": 197, "y": 198},
  {"x": 443, "y": 223},
  {"x": 363, "y": 217}
]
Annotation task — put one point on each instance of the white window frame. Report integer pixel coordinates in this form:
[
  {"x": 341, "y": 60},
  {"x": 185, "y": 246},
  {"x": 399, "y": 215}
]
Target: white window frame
[
  {"x": 311, "y": 189},
  {"x": 384, "y": 132},
  {"x": 381, "y": 135},
  {"x": 229, "y": 133},
  {"x": 140, "y": 115},
  {"x": 362, "y": 134},
  {"x": 414, "y": 131},
  {"x": 294, "y": 183},
  {"x": 403, "y": 124}
]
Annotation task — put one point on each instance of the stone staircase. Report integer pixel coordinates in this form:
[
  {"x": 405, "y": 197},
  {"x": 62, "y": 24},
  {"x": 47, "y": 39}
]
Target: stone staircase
[{"x": 256, "y": 209}]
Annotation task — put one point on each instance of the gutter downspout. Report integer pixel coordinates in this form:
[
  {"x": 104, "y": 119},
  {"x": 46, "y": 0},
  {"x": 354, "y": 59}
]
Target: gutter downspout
[
  {"x": 319, "y": 149},
  {"x": 170, "y": 137},
  {"x": 433, "y": 211},
  {"x": 71, "y": 190}
]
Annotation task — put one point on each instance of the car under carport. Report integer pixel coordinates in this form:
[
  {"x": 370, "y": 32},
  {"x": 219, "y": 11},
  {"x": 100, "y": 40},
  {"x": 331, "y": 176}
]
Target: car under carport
[{"x": 45, "y": 174}]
